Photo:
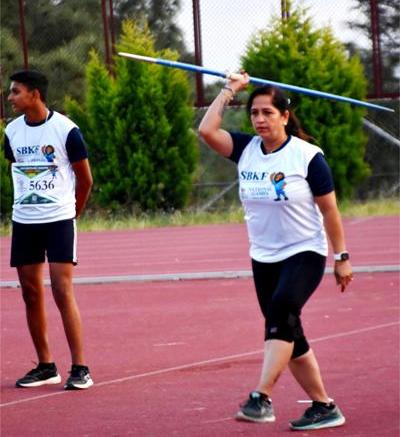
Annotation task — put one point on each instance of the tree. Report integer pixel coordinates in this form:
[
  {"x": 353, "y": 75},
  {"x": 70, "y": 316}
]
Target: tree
[
  {"x": 292, "y": 52},
  {"x": 389, "y": 23},
  {"x": 60, "y": 34},
  {"x": 160, "y": 18},
  {"x": 138, "y": 127}
]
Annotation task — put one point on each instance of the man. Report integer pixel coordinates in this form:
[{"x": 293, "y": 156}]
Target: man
[{"x": 50, "y": 192}]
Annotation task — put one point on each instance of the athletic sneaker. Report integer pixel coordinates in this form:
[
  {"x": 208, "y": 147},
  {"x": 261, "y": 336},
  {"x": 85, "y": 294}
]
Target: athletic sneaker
[
  {"x": 319, "y": 416},
  {"x": 45, "y": 373},
  {"x": 258, "y": 408},
  {"x": 79, "y": 378}
]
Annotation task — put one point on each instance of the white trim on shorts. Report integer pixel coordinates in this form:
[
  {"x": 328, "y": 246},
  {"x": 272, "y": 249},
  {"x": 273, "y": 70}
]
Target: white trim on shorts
[{"x": 75, "y": 244}]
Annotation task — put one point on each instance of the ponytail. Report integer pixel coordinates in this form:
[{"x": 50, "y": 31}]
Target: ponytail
[{"x": 294, "y": 128}]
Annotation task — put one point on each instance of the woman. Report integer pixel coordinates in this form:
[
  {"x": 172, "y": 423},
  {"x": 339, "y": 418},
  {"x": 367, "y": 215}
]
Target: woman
[{"x": 287, "y": 192}]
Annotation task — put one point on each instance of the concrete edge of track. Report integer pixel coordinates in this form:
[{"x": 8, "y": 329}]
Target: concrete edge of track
[{"x": 191, "y": 276}]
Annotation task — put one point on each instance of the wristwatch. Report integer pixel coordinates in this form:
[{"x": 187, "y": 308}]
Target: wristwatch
[{"x": 342, "y": 256}]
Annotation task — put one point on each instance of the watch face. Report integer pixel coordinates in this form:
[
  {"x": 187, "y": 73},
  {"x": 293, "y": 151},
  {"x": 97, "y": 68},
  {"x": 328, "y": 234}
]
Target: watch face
[{"x": 344, "y": 256}]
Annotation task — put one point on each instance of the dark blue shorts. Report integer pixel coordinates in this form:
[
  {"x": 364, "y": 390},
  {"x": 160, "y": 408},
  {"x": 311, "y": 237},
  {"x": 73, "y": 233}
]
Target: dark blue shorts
[{"x": 30, "y": 243}]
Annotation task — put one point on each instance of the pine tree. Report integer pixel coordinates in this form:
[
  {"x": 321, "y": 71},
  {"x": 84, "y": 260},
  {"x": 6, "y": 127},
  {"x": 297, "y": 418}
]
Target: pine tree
[{"x": 60, "y": 35}]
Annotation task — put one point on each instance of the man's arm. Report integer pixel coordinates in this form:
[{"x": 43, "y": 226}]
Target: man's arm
[{"x": 84, "y": 183}]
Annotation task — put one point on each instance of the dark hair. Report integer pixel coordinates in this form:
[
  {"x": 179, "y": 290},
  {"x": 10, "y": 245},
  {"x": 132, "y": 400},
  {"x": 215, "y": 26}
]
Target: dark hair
[
  {"x": 32, "y": 79},
  {"x": 282, "y": 103}
]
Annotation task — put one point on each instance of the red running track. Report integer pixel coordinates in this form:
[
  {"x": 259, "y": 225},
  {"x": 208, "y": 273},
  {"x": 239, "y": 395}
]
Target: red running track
[
  {"x": 176, "y": 359},
  {"x": 372, "y": 241}
]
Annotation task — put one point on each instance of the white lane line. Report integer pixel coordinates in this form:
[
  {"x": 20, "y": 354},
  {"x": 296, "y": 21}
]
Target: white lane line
[
  {"x": 197, "y": 364},
  {"x": 355, "y": 331},
  {"x": 223, "y": 419},
  {"x": 173, "y": 343}
]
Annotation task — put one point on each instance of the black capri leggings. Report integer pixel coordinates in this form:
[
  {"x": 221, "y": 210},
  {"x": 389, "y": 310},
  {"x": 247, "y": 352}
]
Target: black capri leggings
[{"x": 282, "y": 290}]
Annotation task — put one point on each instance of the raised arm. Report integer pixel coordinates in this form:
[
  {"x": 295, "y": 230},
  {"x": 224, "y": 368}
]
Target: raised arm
[{"x": 210, "y": 126}]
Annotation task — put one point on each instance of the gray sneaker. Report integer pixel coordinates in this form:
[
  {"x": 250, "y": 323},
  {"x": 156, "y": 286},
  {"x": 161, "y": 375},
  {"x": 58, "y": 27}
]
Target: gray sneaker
[
  {"x": 318, "y": 416},
  {"x": 258, "y": 408},
  {"x": 79, "y": 378}
]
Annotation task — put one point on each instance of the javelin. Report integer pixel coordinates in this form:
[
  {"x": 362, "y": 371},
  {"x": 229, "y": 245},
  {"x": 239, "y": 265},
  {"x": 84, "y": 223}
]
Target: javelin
[{"x": 255, "y": 80}]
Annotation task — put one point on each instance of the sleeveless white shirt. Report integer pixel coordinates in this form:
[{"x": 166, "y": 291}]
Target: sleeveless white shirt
[{"x": 43, "y": 178}]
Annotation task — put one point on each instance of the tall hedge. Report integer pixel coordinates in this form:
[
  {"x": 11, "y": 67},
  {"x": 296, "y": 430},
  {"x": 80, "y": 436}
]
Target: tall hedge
[
  {"x": 293, "y": 52},
  {"x": 137, "y": 123}
]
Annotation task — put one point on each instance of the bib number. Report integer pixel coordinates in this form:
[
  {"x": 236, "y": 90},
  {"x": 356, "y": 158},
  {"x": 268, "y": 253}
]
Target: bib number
[
  {"x": 41, "y": 185},
  {"x": 34, "y": 183}
]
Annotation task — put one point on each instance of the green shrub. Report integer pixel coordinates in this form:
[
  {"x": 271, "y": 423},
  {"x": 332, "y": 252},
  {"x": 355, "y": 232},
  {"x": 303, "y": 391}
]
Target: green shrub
[
  {"x": 292, "y": 52},
  {"x": 137, "y": 123},
  {"x": 6, "y": 190}
]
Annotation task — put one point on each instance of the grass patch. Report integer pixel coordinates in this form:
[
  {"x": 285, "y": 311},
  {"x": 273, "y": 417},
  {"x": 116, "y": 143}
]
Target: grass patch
[
  {"x": 378, "y": 207},
  {"x": 177, "y": 218},
  {"x": 234, "y": 214}
]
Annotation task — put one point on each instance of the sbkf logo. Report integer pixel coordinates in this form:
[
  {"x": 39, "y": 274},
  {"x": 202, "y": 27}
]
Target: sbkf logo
[
  {"x": 27, "y": 150},
  {"x": 253, "y": 175}
]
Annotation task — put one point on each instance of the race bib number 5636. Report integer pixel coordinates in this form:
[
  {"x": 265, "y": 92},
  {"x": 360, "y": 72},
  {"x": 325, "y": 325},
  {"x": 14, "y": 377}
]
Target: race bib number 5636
[{"x": 34, "y": 183}]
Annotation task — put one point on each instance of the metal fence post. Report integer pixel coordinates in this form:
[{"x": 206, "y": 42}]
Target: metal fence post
[
  {"x": 22, "y": 32},
  {"x": 284, "y": 10},
  {"x": 376, "y": 49},
  {"x": 106, "y": 33},
  {"x": 111, "y": 26},
  {"x": 198, "y": 52}
]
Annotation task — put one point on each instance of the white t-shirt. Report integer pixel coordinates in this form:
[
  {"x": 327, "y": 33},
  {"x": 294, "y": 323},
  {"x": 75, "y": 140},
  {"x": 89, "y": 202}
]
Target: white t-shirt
[
  {"x": 281, "y": 214},
  {"x": 43, "y": 178}
]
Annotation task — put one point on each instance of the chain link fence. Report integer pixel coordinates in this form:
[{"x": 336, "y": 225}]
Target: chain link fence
[
  {"x": 40, "y": 35},
  {"x": 226, "y": 29}
]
